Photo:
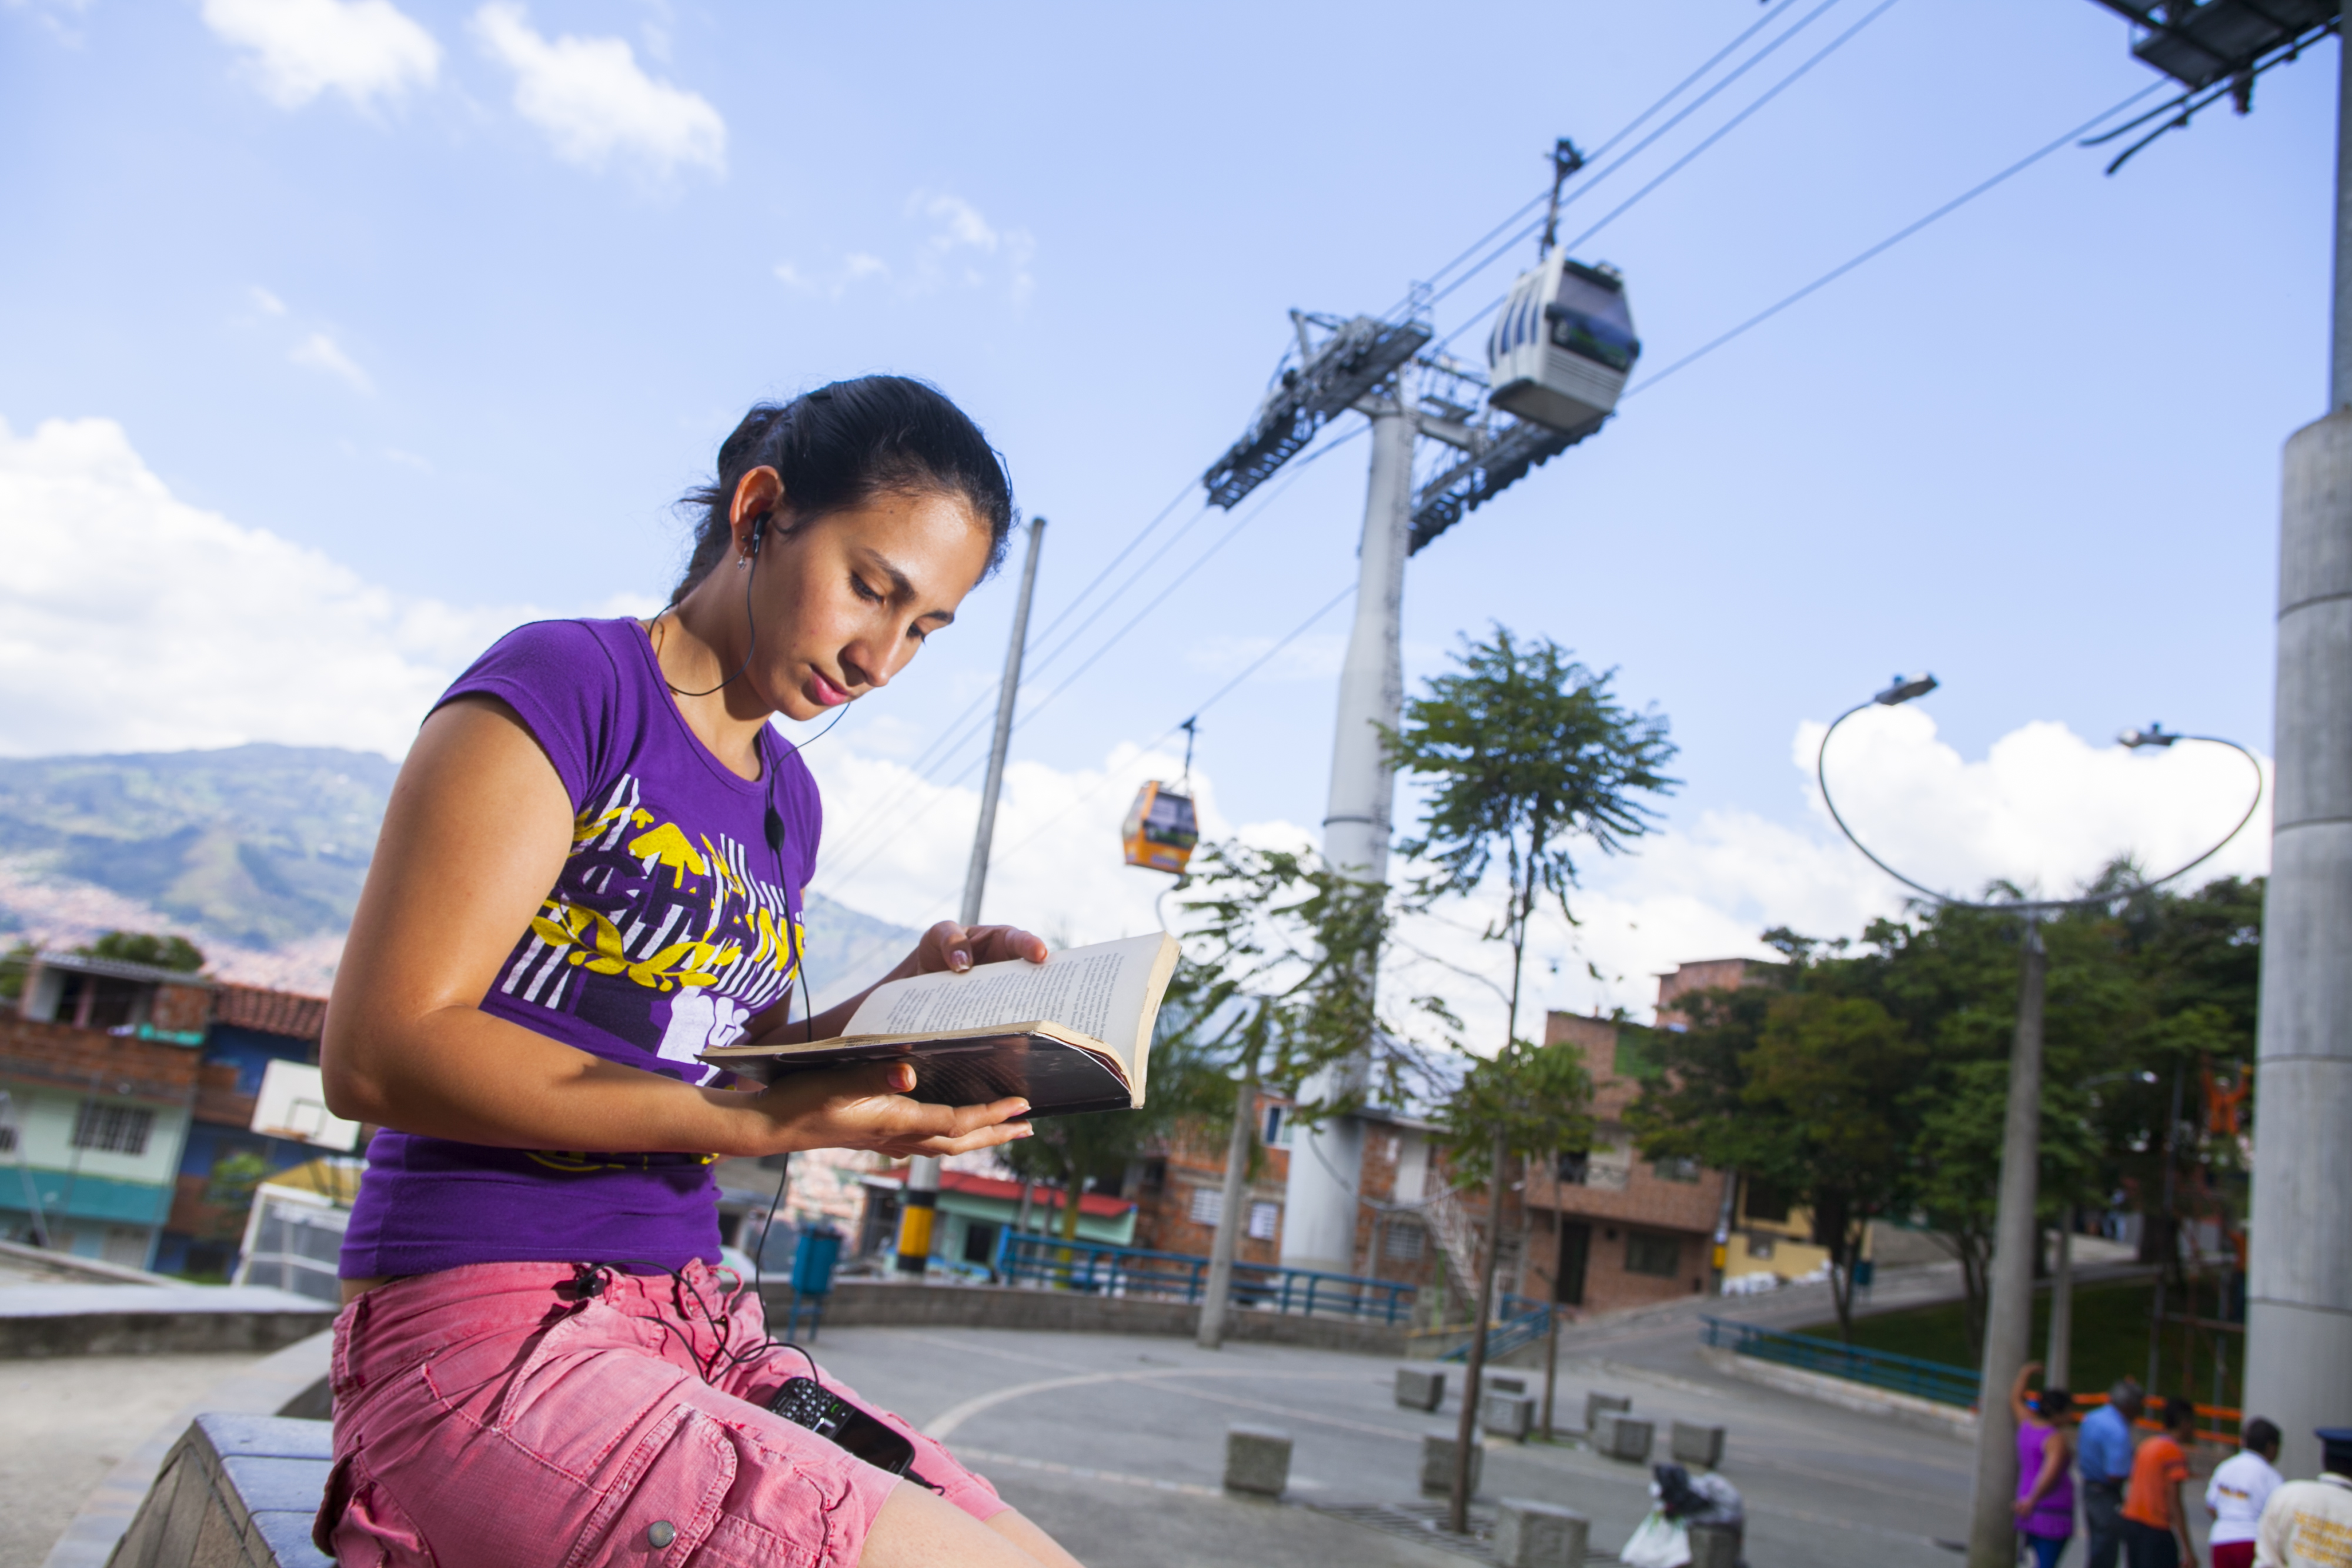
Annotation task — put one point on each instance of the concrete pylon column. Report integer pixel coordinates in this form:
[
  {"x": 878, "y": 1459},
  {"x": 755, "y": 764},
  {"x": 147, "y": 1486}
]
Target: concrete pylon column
[
  {"x": 2299, "y": 1262},
  {"x": 1319, "y": 1213}
]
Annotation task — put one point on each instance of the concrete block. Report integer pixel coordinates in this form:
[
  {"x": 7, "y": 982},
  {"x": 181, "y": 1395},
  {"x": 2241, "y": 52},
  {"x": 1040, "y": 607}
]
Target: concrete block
[
  {"x": 1715, "y": 1546},
  {"x": 1437, "y": 1464},
  {"x": 1697, "y": 1444},
  {"x": 1506, "y": 1415},
  {"x": 1621, "y": 1436},
  {"x": 1596, "y": 1404},
  {"x": 1420, "y": 1388},
  {"x": 1540, "y": 1535},
  {"x": 1503, "y": 1383},
  {"x": 1257, "y": 1461}
]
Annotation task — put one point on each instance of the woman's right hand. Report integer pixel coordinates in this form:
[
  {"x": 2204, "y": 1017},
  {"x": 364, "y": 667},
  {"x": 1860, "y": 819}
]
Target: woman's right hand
[{"x": 868, "y": 1107}]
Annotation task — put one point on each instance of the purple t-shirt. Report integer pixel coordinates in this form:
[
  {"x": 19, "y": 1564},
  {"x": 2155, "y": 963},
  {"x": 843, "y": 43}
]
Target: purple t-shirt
[{"x": 676, "y": 919}]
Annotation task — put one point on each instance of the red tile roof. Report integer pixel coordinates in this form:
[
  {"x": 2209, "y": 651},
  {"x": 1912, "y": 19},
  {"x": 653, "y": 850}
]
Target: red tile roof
[
  {"x": 270, "y": 1012},
  {"x": 1047, "y": 1198}
]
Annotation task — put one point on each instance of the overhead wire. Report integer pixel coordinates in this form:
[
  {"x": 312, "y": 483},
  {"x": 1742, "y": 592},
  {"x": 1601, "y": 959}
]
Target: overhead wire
[
  {"x": 1197, "y": 709},
  {"x": 1728, "y": 126},
  {"x": 1585, "y": 188},
  {"x": 881, "y": 817},
  {"x": 1897, "y": 237}
]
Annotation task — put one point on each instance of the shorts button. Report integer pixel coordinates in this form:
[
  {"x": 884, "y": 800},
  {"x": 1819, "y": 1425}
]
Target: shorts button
[{"x": 661, "y": 1532}]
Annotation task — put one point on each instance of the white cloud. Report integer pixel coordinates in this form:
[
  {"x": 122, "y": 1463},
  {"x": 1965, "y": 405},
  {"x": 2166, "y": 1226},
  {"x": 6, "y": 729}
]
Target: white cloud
[
  {"x": 856, "y": 267},
  {"x": 2044, "y": 808},
  {"x": 594, "y": 102},
  {"x": 185, "y": 630},
  {"x": 963, "y": 245},
  {"x": 365, "y": 49},
  {"x": 269, "y": 304},
  {"x": 320, "y": 352}
]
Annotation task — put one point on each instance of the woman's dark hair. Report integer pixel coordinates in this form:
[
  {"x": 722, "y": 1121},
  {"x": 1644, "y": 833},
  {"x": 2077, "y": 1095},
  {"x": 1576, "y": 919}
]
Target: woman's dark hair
[
  {"x": 2174, "y": 1414},
  {"x": 2259, "y": 1434},
  {"x": 840, "y": 446},
  {"x": 2053, "y": 1403}
]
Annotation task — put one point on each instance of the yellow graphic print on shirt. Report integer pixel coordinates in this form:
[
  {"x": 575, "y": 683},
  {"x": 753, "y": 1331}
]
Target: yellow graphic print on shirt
[{"x": 663, "y": 938}]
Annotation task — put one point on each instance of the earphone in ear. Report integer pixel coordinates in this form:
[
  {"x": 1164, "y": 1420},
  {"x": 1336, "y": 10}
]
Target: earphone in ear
[{"x": 759, "y": 531}]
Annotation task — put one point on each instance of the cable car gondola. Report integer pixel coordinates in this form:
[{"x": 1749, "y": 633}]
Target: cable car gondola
[
  {"x": 1161, "y": 830},
  {"x": 1563, "y": 345}
]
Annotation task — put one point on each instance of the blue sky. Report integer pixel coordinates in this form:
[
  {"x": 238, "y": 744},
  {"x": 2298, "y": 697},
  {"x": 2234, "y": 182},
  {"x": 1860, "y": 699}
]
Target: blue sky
[{"x": 459, "y": 297}]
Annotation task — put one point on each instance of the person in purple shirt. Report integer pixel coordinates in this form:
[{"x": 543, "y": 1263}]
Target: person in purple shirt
[
  {"x": 591, "y": 872},
  {"x": 2045, "y": 1508}
]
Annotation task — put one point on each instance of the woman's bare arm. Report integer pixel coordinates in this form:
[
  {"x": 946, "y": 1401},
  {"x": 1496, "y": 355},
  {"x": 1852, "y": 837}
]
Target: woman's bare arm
[{"x": 477, "y": 830}]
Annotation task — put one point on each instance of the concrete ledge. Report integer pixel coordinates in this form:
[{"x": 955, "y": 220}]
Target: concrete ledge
[
  {"x": 153, "y": 1320},
  {"x": 236, "y": 1491},
  {"x": 1905, "y": 1409},
  {"x": 291, "y": 1383},
  {"x": 866, "y": 1304}
]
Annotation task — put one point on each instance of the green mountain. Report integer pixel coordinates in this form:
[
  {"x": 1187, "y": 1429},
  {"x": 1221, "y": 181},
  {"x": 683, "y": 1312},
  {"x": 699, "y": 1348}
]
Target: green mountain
[{"x": 259, "y": 846}]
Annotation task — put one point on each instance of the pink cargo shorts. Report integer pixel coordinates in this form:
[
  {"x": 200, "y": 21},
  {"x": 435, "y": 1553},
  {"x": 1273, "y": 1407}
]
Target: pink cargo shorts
[{"x": 545, "y": 1413}]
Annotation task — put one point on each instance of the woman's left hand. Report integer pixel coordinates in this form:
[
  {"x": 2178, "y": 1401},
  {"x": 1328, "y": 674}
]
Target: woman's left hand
[{"x": 951, "y": 946}]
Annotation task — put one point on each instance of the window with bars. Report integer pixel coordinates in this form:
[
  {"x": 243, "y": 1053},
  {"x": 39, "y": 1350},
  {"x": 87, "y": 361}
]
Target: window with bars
[
  {"x": 1402, "y": 1241},
  {"x": 1263, "y": 1217},
  {"x": 112, "y": 1128},
  {"x": 1208, "y": 1205}
]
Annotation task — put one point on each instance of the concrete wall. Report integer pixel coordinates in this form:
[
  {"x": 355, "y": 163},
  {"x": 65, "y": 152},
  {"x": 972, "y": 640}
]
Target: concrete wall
[{"x": 862, "y": 1304}]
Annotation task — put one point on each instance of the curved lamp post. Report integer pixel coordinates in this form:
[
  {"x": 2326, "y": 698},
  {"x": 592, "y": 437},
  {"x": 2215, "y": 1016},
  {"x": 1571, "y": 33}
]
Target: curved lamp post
[{"x": 2008, "y": 1306}]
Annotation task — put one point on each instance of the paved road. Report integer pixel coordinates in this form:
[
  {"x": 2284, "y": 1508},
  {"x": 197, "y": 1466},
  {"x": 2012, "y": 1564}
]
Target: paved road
[
  {"x": 1826, "y": 1488},
  {"x": 71, "y": 1419}
]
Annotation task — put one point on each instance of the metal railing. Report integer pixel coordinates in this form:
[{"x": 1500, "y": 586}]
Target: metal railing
[
  {"x": 1518, "y": 1321},
  {"x": 1049, "y": 1262},
  {"x": 1936, "y": 1380}
]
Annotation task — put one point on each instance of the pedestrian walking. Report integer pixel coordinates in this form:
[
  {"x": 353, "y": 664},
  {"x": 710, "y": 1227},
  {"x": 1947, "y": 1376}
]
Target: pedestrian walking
[
  {"x": 2155, "y": 1524},
  {"x": 2241, "y": 1484},
  {"x": 2308, "y": 1524},
  {"x": 2045, "y": 1450},
  {"x": 2104, "y": 1448}
]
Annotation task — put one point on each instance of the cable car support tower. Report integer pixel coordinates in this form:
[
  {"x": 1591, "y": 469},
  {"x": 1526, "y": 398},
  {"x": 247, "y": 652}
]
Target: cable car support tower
[{"x": 1557, "y": 357}]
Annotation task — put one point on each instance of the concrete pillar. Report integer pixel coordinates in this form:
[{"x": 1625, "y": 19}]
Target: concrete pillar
[
  {"x": 2299, "y": 1262},
  {"x": 1318, "y": 1215}
]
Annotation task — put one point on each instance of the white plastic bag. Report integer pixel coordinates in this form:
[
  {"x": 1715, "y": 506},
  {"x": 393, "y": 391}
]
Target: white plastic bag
[{"x": 1660, "y": 1543}]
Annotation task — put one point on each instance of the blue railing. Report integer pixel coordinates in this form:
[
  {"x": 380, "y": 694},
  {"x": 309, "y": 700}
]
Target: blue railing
[
  {"x": 1519, "y": 1321},
  {"x": 1939, "y": 1381},
  {"x": 1027, "y": 1258}
]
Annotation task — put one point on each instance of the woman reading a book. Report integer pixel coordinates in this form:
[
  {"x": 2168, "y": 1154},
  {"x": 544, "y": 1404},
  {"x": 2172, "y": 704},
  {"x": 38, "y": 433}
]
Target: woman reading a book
[{"x": 591, "y": 872}]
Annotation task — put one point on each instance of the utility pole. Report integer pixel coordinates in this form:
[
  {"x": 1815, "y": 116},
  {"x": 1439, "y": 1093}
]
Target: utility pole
[
  {"x": 2299, "y": 1244},
  {"x": 922, "y": 1197},
  {"x": 2008, "y": 1304},
  {"x": 1008, "y": 693},
  {"x": 1232, "y": 1203}
]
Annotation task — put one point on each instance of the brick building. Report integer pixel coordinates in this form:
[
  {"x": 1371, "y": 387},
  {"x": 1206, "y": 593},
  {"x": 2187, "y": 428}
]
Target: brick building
[{"x": 1609, "y": 1229}]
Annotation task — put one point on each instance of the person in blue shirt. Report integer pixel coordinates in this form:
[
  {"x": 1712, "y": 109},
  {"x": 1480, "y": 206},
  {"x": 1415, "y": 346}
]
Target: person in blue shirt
[{"x": 2102, "y": 1451}]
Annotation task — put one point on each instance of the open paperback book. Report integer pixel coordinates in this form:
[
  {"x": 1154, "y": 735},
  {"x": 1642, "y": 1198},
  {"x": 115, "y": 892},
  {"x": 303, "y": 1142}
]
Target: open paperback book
[{"x": 1071, "y": 1034}]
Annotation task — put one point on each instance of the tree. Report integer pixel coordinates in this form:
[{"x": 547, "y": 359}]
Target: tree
[
  {"x": 143, "y": 947},
  {"x": 1285, "y": 951},
  {"x": 1529, "y": 753}
]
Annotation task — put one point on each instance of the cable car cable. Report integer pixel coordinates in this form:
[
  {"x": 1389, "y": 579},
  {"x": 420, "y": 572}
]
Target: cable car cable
[
  {"x": 1728, "y": 126},
  {"x": 1540, "y": 197},
  {"x": 1897, "y": 237},
  {"x": 1527, "y": 230}
]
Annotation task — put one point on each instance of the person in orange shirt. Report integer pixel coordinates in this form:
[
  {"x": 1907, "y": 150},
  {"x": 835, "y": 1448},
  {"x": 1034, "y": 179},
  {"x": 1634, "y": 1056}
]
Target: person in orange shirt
[{"x": 2155, "y": 1521}]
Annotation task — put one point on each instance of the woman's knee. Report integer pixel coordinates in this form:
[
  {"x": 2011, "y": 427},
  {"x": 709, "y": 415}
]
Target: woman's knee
[{"x": 917, "y": 1528}]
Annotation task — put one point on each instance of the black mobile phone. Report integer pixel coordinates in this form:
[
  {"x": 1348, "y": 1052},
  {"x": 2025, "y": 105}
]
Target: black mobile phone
[{"x": 808, "y": 1403}]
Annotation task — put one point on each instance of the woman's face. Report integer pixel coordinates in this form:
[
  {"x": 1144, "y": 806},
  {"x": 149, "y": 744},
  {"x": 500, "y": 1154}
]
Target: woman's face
[{"x": 846, "y": 600}]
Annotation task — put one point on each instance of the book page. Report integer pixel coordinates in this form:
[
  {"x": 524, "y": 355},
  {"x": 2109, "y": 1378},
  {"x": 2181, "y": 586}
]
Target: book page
[{"x": 1101, "y": 992}]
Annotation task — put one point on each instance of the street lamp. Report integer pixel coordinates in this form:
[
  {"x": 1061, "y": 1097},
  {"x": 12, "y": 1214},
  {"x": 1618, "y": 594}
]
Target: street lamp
[{"x": 2008, "y": 1306}]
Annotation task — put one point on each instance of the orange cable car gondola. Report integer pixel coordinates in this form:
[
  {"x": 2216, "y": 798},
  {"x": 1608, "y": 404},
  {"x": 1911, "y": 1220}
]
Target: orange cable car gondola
[{"x": 1161, "y": 830}]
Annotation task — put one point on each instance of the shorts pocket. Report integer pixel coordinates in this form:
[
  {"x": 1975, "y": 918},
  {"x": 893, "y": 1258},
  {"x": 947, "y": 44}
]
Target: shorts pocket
[{"x": 659, "y": 1503}]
